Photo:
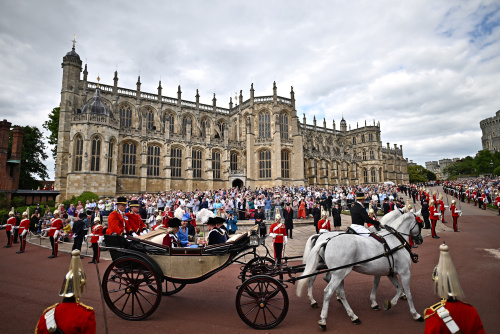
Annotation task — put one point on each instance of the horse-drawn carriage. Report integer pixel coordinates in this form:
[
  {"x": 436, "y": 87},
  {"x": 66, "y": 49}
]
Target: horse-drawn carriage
[{"x": 143, "y": 271}]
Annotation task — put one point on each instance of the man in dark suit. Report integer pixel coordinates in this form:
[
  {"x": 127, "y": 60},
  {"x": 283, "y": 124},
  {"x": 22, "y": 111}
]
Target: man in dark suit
[
  {"x": 359, "y": 216},
  {"x": 288, "y": 216},
  {"x": 386, "y": 206},
  {"x": 79, "y": 232},
  {"x": 259, "y": 220},
  {"x": 316, "y": 212}
]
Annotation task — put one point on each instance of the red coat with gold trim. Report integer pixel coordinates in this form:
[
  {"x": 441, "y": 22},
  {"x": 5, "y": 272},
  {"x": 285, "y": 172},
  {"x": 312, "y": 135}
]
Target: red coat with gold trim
[
  {"x": 70, "y": 317},
  {"x": 134, "y": 221},
  {"x": 464, "y": 315},
  {"x": 55, "y": 226},
  {"x": 280, "y": 231},
  {"x": 117, "y": 224},
  {"x": 96, "y": 233}
]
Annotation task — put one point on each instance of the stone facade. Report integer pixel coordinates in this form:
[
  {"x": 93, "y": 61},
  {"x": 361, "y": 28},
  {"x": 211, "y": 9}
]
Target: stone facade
[
  {"x": 10, "y": 163},
  {"x": 114, "y": 140},
  {"x": 491, "y": 133}
]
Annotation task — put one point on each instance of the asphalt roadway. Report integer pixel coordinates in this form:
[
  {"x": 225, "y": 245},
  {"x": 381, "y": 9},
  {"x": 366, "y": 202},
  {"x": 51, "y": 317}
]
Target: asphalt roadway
[{"x": 30, "y": 282}]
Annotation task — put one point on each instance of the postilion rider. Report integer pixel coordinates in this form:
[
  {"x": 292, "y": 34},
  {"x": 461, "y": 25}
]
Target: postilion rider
[
  {"x": 359, "y": 216},
  {"x": 450, "y": 315},
  {"x": 70, "y": 316}
]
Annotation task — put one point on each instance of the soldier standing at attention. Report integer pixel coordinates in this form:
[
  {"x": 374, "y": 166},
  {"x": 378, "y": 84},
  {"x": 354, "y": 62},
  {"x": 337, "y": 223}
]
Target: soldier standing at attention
[
  {"x": 23, "y": 230},
  {"x": 54, "y": 231},
  {"x": 278, "y": 233},
  {"x": 434, "y": 216},
  {"x": 70, "y": 316},
  {"x": 9, "y": 228},
  {"x": 450, "y": 315},
  {"x": 96, "y": 238}
]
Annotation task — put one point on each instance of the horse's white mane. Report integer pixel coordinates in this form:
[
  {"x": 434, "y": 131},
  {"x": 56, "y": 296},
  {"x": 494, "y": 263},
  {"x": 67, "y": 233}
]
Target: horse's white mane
[
  {"x": 389, "y": 217},
  {"x": 396, "y": 223}
]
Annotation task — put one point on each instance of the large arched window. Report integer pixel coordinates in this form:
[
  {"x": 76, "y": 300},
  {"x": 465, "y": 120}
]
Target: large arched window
[
  {"x": 374, "y": 175},
  {"x": 264, "y": 125},
  {"x": 95, "y": 162},
  {"x": 364, "y": 155},
  {"x": 125, "y": 116},
  {"x": 365, "y": 175},
  {"x": 196, "y": 164},
  {"x": 111, "y": 147},
  {"x": 128, "y": 158},
  {"x": 216, "y": 164},
  {"x": 187, "y": 120},
  {"x": 265, "y": 164},
  {"x": 234, "y": 161},
  {"x": 285, "y": 164},
  {"x": 78, "y": 153},
  {"x": 372, "y": 155},
  {"x": 362, "y": 138},
  {"x": 205, "y": 125},
  {"x": 150, "y": 119},
  {"x": 354, "y": 140},
  {"x": 283, "y": 125},
  {"x": 153, "y": 161},
  {"x": 169, "y": 123},
  {"x": 176, "y": 161},
  {"x": 370, "y": 137}
]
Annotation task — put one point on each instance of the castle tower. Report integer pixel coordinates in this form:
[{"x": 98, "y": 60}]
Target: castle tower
[{"x": 72, "y": 66}]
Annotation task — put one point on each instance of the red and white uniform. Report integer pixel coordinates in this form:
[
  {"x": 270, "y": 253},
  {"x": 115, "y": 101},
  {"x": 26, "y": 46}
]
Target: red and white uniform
[
  {"x": 96, "y": 233},
  {"x": 372, "y": 218},
  {"x": 55, "y": 226},
  {"x": 23, "y": 231},
  {"x": 278, "y": 232},
  {"x": 433, "y": 217},
  {"x": 324, "y": 226},
  {"x": 464, "y": 315},
  {"x": 118, "y": 223},
  {"x": 70, "y": 318},
  {"x": 9, "y": 229}
]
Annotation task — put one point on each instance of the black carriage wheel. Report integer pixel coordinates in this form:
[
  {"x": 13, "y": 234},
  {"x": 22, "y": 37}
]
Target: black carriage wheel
[
  {"x": 172, "y": 288},
  {"x": 262, "y": 302},
  {"x": 131, "y": 289},
  {"x": 257, "y": 266}
]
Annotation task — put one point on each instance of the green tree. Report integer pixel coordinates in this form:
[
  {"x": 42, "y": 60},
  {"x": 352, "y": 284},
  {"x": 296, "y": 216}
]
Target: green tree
[
  {"x": 52, "y": 126},
  {"x": 482, "y": 162},
  {"x": 32, "y": 157},
  {"x": 417, "y": 174}
]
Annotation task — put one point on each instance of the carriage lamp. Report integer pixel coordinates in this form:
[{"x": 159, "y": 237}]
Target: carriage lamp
[{"x": 254, "y": 239}]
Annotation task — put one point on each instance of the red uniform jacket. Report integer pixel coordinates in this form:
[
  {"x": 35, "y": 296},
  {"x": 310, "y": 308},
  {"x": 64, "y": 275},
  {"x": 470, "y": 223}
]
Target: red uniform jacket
[
  {"x": 324, "y": 225},
  {"x": 453, "y": 210},
  {"x": 373, "y": 218},
  {"x": 11, "y": 222},
  {"x": 280, "y": 231},
  {"x": 134, "y": 220},
  {"x": 70, "y": 318},
  {"x": 24, "y": 225},
  {"x": 497, "y": 201},
  {"x": 55, "y": 226},
  {"x": 433, "y": 211},
  {"x": 96, "y": 233},
  {"x": 464, "y": 315},
  {"x": 117, "y": 224},
  {"x": 441, "y": 205}
]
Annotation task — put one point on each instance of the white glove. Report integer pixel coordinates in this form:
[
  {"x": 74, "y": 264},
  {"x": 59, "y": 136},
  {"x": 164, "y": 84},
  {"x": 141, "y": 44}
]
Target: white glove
[
  {"x": 437, "y": 214},
  {"x": 286, "y": 240},
  {"x": 323, "y": 230},
  {"x": 101, "y": 238},
  {"x": 272, "y": 235},
  {"x": 56, "y": 234},
  {"x": 446, "y": 206},
  {"x": 24, "y": 233},
  {"x": 134, "y": 235}
]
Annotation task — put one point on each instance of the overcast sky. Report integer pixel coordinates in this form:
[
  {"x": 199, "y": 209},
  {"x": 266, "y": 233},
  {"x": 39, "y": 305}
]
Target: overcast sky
[{"x": 427, "y": 70}]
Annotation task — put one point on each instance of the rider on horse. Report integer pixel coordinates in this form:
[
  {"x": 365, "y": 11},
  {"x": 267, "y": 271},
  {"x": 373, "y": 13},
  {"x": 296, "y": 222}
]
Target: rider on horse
[{"x": 359, "y": 216}]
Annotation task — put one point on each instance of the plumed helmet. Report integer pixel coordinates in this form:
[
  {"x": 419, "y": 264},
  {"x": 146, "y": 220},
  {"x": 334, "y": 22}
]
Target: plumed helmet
[
  {"x": 324, "y": 214},
  {"x": 11, "y": 213},
  {"x": 159, "y": 218},
  {"x": 56, "y": 212},
  {"x": 75, "y": 280},
  {"x": 445, "y": 276},
  {"x": 277, "y": 217},
  {"x": 453, "y": 202},
  {"x": 97, "y": 219}
]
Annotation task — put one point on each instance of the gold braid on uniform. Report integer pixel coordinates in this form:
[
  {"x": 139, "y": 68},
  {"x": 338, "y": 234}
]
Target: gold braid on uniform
[
  {"x": 90, "y": 308},
  {"x": 434, "y": 308}
]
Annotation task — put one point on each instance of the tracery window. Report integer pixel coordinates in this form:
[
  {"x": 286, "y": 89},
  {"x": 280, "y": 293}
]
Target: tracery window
[
  {"x": 96, "y": 154},
  {"x": 234, "y": 161},
  {"x": 204, "y": 127},
  {"x": 370, "y": 137},
  {"x": 111, "y": 147},
  {"x": 153, "y": 160},
  {"x": 372, "y": 155},
  {"x": 354, "y": 140},
  {"x": 196, "y": 164},
  {"x": 362, "y": 138},
  {"x": 125, "y": 116},
  {"x": 171, "y": 120},
  {"x": 264, "y": 125},
  {"x": 187, "y": 120},
  {"x": 176, "y": 161},
  {"x": 374, "y": 175},
  {"x": 364, "y": 155},
  {"x": 265, "y": 164},
  {"x": 150, "y": 119},
  {"x": 129, "y": 158},
  {"x": 285, "y": 164},
  {"x": 78, "y": 153},
  {"x": 283, "y": 118},
  {"x": 365, "y": 175},
  {"x": 220, "y": 126},
  {"x": 216, "y": 164}
]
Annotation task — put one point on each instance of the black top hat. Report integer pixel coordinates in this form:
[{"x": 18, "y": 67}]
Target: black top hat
[
  {"x": 121, "y": 200},
  {"x": 215, "y": 220},
  {"x": 174, "y": 222},
  {"x": 133, "y": 202},
  {"x": 82, "y": 215},
  {"x": 360, "y": 195}
]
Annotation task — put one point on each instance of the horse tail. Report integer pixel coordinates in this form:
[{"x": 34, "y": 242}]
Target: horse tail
[
  {"x": 309, "y": 245},
  {"x": 311, "y": 265}
]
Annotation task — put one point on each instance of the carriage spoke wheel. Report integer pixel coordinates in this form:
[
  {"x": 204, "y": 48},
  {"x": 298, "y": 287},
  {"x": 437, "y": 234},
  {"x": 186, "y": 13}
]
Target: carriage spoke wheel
[
  {"x": 257, "y": 266},
  {"x": 262, "y": 302},
  {"x": 131, "y": 289},
  {"x": 172, "y": 288}
]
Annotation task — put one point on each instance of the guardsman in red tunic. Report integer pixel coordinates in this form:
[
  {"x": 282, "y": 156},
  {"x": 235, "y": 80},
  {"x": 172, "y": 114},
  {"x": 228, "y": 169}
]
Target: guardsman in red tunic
[
  {"x": 96, "y": 239},
  {"x": 442, "y": 208},
  {"x": 54, "y": 231},
  {"x": 450, "y": 315},
  {"x": 23, "y": 231},
  {"x": 70, "y": 316},
  {"x": 134, "y": 218},
  {"x": 434, "y": 216},
  {"x": 324, "y": 223},
  {"x": 474, "y": 197},
  {"x": 455, "y": 214},
  {"x": 497, "y": 200},
  {"x": 278, "y": 233},
  {"x": 435, "y": 199},
  {"x": 117, "y": 220},
  {"x": 484, "y": 199},
  {"x": 9, "y": 228}
]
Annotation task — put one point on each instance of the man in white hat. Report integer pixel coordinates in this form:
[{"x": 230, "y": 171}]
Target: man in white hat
[{"x": 450, "y": 314}]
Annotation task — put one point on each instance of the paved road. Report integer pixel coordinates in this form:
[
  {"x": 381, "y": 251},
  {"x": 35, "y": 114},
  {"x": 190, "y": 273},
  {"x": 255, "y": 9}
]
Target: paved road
[{"x": 30, "y": 282}]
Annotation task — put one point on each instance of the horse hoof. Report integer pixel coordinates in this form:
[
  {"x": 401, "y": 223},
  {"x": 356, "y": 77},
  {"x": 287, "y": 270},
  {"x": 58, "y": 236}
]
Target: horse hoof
[
  {"x": 375, "y": 308},
  {"x": 323, "y": 327},
  {"x": 339, "y": 300},
  {"x": 315, "y": 305},
  {"x": 420, "y": 319},
  {"x": 403, "y": 297},
  {"x": 356, "y": 322},
  {"x": 387, "y": 305}
]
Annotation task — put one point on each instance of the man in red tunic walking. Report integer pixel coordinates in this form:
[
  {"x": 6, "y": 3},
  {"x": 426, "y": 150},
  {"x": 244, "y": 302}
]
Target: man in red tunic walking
[
  {"x": 450, "y": 315},
  {"x": 54, "y": 231}
]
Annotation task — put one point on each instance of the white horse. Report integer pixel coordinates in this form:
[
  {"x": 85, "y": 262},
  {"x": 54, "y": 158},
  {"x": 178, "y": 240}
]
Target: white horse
[
  {"x": 318, "y": 238},
  {"x": 346, "y": 249}
]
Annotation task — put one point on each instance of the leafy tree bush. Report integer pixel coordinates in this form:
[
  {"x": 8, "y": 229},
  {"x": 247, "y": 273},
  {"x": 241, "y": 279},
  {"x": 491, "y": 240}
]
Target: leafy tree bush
[{"x": 83, "y": 197}]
